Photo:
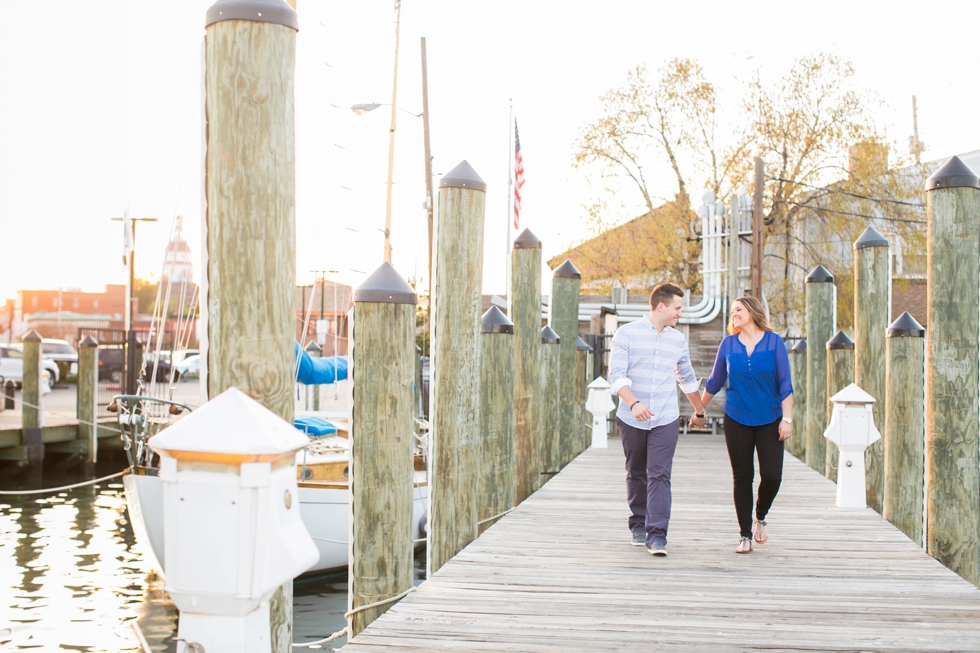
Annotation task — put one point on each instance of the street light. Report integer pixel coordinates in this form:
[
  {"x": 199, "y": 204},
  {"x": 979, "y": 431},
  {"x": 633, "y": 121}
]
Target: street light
[{"x": 132, "y": 266}]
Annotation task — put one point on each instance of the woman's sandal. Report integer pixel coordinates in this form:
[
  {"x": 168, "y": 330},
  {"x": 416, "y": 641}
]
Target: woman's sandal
[
  {"x": 744, "y": 545},
  {"x": 761, "y": 536}
]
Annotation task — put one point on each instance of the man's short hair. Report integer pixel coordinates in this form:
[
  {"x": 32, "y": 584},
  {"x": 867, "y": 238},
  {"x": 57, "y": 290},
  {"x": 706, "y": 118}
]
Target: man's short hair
[{"x": 663, "y": 293}]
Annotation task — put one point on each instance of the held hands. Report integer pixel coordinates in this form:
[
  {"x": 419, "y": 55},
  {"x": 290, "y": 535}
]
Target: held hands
[
  {"x": 697, "y": 422},
  {"x": 784, "y": 431},
  {"x": 640, "y": 412}
]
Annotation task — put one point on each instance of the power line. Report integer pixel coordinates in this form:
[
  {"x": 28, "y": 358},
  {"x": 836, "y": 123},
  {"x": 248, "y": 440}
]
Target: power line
[
  {"x": 844, "y": 192},
  {"x": 856, "y": 215}
]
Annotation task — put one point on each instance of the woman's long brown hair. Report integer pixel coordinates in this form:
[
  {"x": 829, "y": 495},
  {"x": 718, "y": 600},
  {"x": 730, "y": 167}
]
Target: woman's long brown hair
[{"x": 754, "y": 307}]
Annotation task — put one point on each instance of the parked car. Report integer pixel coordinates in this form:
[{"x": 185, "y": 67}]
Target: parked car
[
  {"x": 12, "y": 365},
  {"x": 61, "y": 353},
  {"x": 180, "y": 355},
  {"x": 190, "y": 366},
  {"x": 112, "y": 365},
  {"x": 163, "y": 368},
  {"x": 12, "y": 368}
]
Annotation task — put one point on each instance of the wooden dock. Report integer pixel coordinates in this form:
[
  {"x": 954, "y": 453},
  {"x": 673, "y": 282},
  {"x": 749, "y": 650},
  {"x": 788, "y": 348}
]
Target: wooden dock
[{"x": 559, "y": 574}]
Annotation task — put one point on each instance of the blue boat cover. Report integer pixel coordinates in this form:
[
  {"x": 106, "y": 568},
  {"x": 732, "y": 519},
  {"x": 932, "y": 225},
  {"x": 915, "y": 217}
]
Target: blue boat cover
[
  {"x": 315, "y": 426},
  {"x": 320, "y": 371}
]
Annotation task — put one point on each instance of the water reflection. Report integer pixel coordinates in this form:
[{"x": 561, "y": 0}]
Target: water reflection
[{"x": 72, "y": 577}]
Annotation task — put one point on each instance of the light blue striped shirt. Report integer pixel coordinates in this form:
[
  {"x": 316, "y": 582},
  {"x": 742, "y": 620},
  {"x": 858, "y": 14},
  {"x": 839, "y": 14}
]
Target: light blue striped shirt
[{"x": 652, "y": 364}]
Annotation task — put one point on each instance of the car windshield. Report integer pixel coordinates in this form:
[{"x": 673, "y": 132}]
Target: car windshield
[{"x": 10, "y": 352}]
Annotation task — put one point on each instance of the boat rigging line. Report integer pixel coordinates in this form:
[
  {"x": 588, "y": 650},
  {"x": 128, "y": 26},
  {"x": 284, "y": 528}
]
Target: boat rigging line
[{"x": 844, "y": 192}]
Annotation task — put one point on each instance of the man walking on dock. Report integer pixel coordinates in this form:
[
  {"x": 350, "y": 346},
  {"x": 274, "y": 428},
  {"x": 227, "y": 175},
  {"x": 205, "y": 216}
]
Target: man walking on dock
[{"x": 649, "y": 358}]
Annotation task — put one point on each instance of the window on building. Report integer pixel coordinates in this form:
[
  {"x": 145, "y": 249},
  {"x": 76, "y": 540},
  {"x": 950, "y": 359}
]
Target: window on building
[
  {"x": 33, "y": 302},
  {"x": 74, "y": 303}
]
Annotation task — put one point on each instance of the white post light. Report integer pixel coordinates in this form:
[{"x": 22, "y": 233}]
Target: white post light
[
  {"x": 599, "y": 403},
  {"x": 852, "y": 429},
  {"x": 232, "y": 528}
]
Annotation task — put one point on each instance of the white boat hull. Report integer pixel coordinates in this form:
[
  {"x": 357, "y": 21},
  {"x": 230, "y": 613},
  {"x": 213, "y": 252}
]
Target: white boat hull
[{"x": 325, "y": 513}]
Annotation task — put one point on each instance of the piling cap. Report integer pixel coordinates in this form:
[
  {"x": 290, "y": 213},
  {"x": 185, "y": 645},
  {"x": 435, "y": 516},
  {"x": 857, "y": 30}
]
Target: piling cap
[
  {"x": 232, "y": 423},
  {"x": 548, "y": 336},
  {"x": 582, "y": 345},
  {"x": 494, "y": 321},
  {"x": 385, "y": 286},
  {"x": 905, "y": 326},
  {"x": 567, "y": 270},
  {"x": 88, "y": 341},
  {"x": 953, "y": 174},
  {"x": 870, "y": 238},
  {"x": 32, "y": 336},
  {"x": 599, "y": 382},
  {"x": 840, "y": 341},
  {"x": 852, "y": 394},
  {"x": 527, "y": 240},
  {"x": 799, "y": 347},
  {"x": 259, "y": 11},
  {"x": 463, "y": 176},
  {"x": 820, "y": 274},
  {"x": 312, "y": 345}
]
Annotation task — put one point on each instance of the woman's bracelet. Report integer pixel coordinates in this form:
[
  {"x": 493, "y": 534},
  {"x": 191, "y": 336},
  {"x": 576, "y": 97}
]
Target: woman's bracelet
[{"x": 634, "y": 403}]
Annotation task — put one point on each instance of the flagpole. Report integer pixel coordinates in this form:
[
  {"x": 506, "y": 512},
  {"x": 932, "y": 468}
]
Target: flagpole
[{"x": 510, "y": 200}]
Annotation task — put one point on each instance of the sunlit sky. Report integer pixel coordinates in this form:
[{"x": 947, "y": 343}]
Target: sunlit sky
[{"x": 100, "y": 109}]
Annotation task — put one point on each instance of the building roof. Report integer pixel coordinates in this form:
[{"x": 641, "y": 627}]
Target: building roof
[{"x": 343, "y": 295}]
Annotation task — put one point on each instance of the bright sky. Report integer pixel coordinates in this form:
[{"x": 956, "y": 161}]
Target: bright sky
[{"x": 100, "y": 108}]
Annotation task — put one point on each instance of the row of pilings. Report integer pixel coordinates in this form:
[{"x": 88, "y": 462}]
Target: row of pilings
[
  {"x": 506, "y": 395},
  {"x": 923, "y": 474}
]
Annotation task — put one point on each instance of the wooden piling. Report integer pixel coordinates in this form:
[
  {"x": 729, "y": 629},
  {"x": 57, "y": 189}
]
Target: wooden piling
[
  {"x": 30, "y": 392},
  {"x": 525, "y": 313},
  {"x": 549, "y": 446},
  {"x": 872, "y": 310},
  {"x": 382, "y": 442},
  {"x": 496, "y": 463},
  {"x": 953, "y": 368},
  {"x": 88, "y": 391},
  {"x": 796, "y": 445},
  {"x": 904, "y": 427},
  {"x": 249, "y": 220},
  {"x": 313, "y": 391},
  {"x": 820, "y": 320},
  {"x": 582, "y": 430},
  {"x": 455, "y": 366},
  {"x": 563, "y": 319},
  {"x": 840, "y": 374}
]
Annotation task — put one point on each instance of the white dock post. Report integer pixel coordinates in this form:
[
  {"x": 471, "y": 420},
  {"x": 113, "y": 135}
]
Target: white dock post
[
  {"x": 599, "y": 404},
  {"x": 852, "y": 429}
]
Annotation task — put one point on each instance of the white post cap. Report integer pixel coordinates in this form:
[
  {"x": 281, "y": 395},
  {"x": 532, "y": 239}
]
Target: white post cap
[
  {"x": 852, "y": 394},
  {"x": 233, "y": 425},
  {"x": 599, "y": 383}
]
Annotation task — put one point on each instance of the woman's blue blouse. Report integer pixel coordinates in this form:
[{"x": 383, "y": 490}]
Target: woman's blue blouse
[{"x": 757, "y": 384}]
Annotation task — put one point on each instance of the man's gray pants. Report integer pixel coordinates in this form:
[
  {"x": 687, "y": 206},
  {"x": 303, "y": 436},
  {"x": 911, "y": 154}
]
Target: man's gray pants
[{"x": 649, "y": 460}]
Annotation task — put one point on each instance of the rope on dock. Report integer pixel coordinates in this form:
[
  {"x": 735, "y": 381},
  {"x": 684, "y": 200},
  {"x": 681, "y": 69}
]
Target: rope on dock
[
  {"x": 489, "y": 519},
  {"x": 324, "y": 539},
  {"x": 396, "y": 597},
  {"x": 62, "y": 488},
  {"x": 317, "y": 643}
]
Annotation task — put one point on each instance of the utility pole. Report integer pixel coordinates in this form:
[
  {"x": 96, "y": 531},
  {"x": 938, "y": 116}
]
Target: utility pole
[
  {"x": 391, "y": 136},
  {"x": 131, "y": 254},
  {"x": 757, "y": 229},
  {"x": 428, "y": 156},
  {"x": 915, "y": 145}
]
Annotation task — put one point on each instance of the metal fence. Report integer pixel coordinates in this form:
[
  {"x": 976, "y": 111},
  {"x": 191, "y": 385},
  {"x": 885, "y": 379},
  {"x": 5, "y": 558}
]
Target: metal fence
[{"x": 121, "y": 368}]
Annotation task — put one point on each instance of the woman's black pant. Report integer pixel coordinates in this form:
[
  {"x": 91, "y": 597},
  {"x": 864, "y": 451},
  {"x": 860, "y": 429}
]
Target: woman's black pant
[{"x": 742, "y": 441}]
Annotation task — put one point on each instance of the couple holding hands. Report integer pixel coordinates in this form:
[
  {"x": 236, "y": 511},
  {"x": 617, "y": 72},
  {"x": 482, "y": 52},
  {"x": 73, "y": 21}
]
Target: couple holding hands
[{"x": 648, "y": 359}]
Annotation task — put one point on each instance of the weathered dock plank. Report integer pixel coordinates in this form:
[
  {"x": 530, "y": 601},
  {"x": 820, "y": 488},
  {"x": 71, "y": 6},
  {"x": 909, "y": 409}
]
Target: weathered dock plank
[{"x": 559, "y": 574}]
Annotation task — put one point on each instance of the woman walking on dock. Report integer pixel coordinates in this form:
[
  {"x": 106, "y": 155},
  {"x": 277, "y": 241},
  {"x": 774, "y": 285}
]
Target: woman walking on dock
[{"x": 758, "y": 410}]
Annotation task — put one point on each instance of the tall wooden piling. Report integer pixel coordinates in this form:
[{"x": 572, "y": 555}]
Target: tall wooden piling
[
  {"x": 796, "y": 444},
  {"x": 549, "y": 446},
  {"x": 872, "y": 311},
  {"x": 821, "y": 299},
  {"x": 840, "y": 374},
  {"x": 953, "y": 368},
  {"x": 563, "y": 319},
  {"x": 496, "y": 463},
  {"x": 581, "y": 432},
  {"x": 455, "y": 366},
  {"x": 88, "y": 391},
  {"x": 32, "y": 413},
  {"x": 380, "y": 553},
  {"x": 525, "y": 313},
  {"x": 313, "y": 391},
  {"x": 249, "y": 221},
  {"x": 904, "y": 427}
]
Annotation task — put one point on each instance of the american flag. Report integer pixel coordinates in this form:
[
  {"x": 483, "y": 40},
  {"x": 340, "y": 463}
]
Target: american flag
[{"x": 518, "y": 177}]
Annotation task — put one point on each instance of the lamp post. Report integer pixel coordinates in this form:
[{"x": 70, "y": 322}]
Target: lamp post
[{"x": 131, "y": 253}]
